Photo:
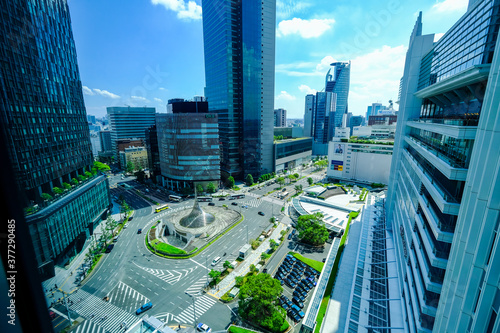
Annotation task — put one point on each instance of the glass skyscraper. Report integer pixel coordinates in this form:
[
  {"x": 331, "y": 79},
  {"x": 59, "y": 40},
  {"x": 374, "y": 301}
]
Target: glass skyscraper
[
  {"x": 44, "y": 117},
  {"x": 338, "y": 82},
  {"x": 442, "y": 202},
  {"x": 239, "y": 42}
]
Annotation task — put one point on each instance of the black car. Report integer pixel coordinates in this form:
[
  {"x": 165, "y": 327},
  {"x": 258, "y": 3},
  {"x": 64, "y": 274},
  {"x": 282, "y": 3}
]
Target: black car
[
  {"x": 264, "y": 270},
  {"x": 283, "y": 298},
  {"x": 211, "y": 204},
  {"x": 261, "y": 214},
  {"x": 234, "y": 203},
  {"x": 297, "y": 301},
  {"x": 110, "y": 247},
  {"x": 299, "y": 295},
  {"x": 221, "y": 199},
  {"x": 130, "y": 218},
  {"x": 301, "y": 290},
  {"x": 305, "y": 286},
  {"x": 291, "y": 283},
  {"x": 291, "y": 258},
  {"x": 294, "y": 231},
  {"x": 324, "y": 259},
  {"x": 289, "y": 236},
  {"x": 285, "y": 306},
  {"x": 296, "y": 318}
]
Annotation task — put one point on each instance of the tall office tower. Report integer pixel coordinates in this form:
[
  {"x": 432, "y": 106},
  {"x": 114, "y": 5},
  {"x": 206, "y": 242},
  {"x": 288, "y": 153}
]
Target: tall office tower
[
  {"x": 129, "y": 123},
  {"x": 443, "y": 188},
  {"x": 338, "y": 83},
  {"x": 308, "y": 115},
  {"x": 239, "y": 42},
  {"x": 105, "y": 139},
  {"x": 279, "y": 118},
  {"x": 188, "y": 145},
  {"x": 43, "y": 115},
  {"x": 322, "y": 131}
]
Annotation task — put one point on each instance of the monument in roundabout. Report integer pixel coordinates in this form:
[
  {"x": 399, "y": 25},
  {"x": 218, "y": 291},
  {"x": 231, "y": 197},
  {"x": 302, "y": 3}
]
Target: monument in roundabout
[{"x": 197, "y": 224}]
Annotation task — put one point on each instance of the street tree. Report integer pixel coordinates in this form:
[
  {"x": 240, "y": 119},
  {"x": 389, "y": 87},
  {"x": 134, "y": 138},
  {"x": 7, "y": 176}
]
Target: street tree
[
  {"x": 230, "y": 182},
  {"x": 199, "y": 188},
  {"x": 211, "y": 188},
  {"x": 227, "y": 265},
  {"x": 298, "y": 188},
  {"x": 215, "y": 275},
  {"x": 310, "y": 181},
  {"x": 258, "y": 302},
  {"x": 249, "y": 180},
  {"x": 130, "y": 167},
  {"x": 280, "y": 180},
  {"x": 312, "y": 230}
]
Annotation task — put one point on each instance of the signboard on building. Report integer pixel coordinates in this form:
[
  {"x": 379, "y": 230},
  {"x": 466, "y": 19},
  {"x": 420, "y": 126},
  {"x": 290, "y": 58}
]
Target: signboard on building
[{"x": 337, "y": 165}]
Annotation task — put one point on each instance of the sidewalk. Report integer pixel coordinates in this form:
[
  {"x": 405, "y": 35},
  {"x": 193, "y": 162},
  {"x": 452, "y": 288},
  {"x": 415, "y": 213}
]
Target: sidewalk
[
  {"x": 225, "y": 285},
  {"x": 67, "y": 278}
]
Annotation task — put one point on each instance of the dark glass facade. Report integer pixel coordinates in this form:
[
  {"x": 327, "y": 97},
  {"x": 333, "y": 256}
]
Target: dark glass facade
[
  {"x": 189, "y": 149},
  {"x": 470, "y": 42},
  {"x": 293, "y": 147},
  {"x": 44, "y": 117},
  {"x": 43, "y": 111},
  {"x": 338, "y": 83},
  {"x": 239, "y": 71},
  {"x": 324, "y": 111},
  {"x": 153, "y": 152}
]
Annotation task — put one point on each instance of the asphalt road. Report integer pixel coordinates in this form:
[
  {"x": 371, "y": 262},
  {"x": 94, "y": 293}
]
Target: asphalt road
[{"x": 131, "y": 276}]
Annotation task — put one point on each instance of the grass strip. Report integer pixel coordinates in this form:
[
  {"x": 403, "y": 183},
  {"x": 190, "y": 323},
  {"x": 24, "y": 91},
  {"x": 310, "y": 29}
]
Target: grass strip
[
  {"x": 317, "y": 265},
  {"x": 333, "y": 276},
  {"x": 194, "y": 253}
]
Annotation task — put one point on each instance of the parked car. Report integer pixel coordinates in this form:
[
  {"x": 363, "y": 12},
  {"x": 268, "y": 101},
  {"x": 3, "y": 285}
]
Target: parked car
[
  {"x": 203, "y": 328},
  {"x": 211, "y": 204},
  {"x": 294, "y": 231},
  {"x": 109, "y": 248},
  {"x": 289, "y": 236},
  {"x": 234, "y": 203},
  {"x": 221, "y": 199},
  {"x": 143, "y": 308},
  {"x": 130, "y": 218},
  {"x": 324, "y": 259},
  {"x": 297, "y": 301},
  {"x": 291, "y": 283},
  {"x": 299, "y": 295}
]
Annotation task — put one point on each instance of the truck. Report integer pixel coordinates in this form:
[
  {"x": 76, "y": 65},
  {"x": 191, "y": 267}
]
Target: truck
[{"x": 245, "y": 251}]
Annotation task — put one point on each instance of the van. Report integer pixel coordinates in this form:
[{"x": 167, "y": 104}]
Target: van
[
  {"x": 116, "y": 239},
  {"x": 216, "y": 261}
]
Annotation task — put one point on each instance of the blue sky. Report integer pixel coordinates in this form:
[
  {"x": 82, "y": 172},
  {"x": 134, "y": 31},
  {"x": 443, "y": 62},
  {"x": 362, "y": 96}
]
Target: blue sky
[{"x": 144, "y": 52}]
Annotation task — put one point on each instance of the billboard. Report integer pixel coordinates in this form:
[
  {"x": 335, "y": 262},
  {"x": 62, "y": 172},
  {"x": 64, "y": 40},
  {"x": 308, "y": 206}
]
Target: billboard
[
  {"x": 339, "y": 148},
  {"x": 337, "y": 165}
]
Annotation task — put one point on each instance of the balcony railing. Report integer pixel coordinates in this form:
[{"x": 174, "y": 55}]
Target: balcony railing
[
  {"x": 454, "y": 156},
  {"x": 447, "y": 196},
  {"x": 442, "y": 225},
  {"x": 446, "y": 121}
]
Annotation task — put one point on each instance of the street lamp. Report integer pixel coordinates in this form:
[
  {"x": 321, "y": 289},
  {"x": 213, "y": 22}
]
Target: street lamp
[{"x": 194, "y": 308}]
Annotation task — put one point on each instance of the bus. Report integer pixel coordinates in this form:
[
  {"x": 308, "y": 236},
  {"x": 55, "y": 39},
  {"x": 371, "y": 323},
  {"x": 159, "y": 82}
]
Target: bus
[
  {"x": 283, "y": 195},
  {"x": 159, "y": 209},
  {"x": 237, "y": 196},
  {"x": 205, "y": 199},
  {"x": 174, "y": 198}
]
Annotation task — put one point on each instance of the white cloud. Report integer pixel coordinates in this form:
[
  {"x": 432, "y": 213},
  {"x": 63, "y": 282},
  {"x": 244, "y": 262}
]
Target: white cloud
[
  {"x": 139, "y": 99},
  {"x": 87, "y": 91},
  {"x": 285, "y": 96},
  {"x": 305, "y": 28},
  {"x": 307, "y": 90},
  {"x": 324, "y": 65},
  {"x": 158, "y": 100},
  {"x": 450, "y": 6},
  {"x": 99, "y": 92},
  {"x": 287, "y": 8},
  {"x": 185, "y": 11}
]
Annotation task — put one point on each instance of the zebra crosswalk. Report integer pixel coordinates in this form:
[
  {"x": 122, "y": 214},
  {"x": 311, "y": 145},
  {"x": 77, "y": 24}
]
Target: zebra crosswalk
[
  {"x": 197, "y": 287},
  {"x": 169, "y": 276},
  {"x": 103, "y": 314},
  {"x": 201, "y": 305},
  {"x": 88, "y": 326},
  {"x": 254, "y": 202},
  {"x": 126, "y": 297}
]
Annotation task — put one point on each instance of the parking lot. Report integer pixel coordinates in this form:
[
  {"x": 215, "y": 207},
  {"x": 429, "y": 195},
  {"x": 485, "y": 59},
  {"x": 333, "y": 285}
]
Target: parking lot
[{"x": 298, "y": 281}]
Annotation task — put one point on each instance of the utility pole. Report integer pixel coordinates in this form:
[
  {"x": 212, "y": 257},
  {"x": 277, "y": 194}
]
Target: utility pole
[{"x": 194, "y": 308}]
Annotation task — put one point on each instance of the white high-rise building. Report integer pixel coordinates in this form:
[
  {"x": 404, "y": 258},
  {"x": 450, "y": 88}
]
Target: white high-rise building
[{"x": 443, "y": 202}]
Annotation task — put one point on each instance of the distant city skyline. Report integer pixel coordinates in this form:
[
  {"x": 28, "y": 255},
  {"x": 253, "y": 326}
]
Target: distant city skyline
[{"x": 145, "y": 54}]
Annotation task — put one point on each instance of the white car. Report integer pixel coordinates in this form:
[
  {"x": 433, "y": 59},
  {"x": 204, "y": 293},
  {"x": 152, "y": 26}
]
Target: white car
[{"x": 203, "y": 328}]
